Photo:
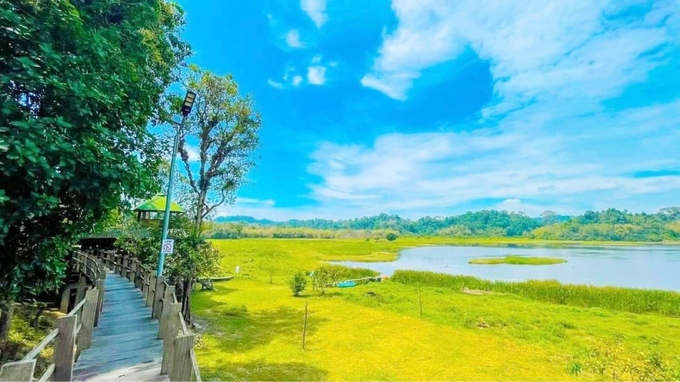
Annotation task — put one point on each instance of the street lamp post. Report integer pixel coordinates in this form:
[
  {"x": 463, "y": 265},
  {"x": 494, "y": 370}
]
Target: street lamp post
[{"x": 186, "y": 109}]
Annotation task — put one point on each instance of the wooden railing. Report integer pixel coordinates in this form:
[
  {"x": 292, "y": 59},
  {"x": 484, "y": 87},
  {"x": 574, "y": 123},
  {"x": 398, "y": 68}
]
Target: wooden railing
[
  {"x": 179, "y": 359},
  {"x": 74, "y": 330}
]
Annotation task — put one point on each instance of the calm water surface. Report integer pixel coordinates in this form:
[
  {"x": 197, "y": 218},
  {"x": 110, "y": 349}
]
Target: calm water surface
[{"x": 649, "y": 267}]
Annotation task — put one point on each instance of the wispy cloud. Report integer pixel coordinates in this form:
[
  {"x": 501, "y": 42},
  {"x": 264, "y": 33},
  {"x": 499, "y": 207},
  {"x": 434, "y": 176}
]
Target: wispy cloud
[
  {"x": 297, "y": 80},
  {"x": 293, "y": 39},
  {"x": 535, "y": 49},
  {"x": 433, "y": 172},
  {"x": 316, "y": 10},
  {"x": 275, "y": 84}
]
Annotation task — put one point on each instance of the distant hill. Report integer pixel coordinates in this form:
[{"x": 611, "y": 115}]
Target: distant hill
[
  {"x": 245, "y": 219},
  {"x": 609, "y": 224}
]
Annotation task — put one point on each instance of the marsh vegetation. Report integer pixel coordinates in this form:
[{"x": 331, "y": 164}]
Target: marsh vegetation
[{"x": 377, "y": 331}]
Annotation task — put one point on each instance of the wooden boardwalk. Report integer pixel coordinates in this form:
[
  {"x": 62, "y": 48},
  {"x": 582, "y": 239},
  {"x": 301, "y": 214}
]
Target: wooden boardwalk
[{"x": 125, "y": 344}]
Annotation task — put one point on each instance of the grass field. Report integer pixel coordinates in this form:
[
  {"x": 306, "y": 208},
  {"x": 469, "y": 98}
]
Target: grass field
[
  {"x": 517, "y": 260},
  {"x": 253, "y": 328}
]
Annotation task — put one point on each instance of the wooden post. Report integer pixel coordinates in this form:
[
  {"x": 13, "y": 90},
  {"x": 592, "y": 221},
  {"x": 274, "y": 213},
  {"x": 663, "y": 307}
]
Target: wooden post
[
  {"x": 165, "y": 310},
  {"x": 158, "y": 293},
  {"x": 133, "y": 271},
  {"x": 144, "y": 288},
  {"x": 138, "y": 274},
  {"x": 65, "y": 348},
  {"x": 18, "y": 371},
  {"x": 65, "y": 299},
  {"x": 115, "y": 256},
  {"x": 181, "y": 360},
  {"x": 99, "y": 284},
  {"x": 88, "y": 318},
  {"x": 304, "y": 326},
  {"x": 420, "y": 302},
  {"x": 122, "y": 265},
  {"x": 151, "y": 291},
  {"x": 169, "y": 335},
  {"x": 82, "y": 286}
]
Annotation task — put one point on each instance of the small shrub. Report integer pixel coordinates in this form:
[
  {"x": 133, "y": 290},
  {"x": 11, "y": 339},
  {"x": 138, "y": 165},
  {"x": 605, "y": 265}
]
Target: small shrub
[
  {"x": 298, "y": 283},
  {"x": 391, "y": 236}
]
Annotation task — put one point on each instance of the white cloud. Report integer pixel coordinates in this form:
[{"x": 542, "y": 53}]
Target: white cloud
[
  {"x": 194, "y": 155},
  {"x": 316, "y": 10},
  {"x": 297, "y": 80},
  {"x": 527, "y": 167},
  {"x": 275, "y": 84},
  {"x": 535, "y": 49},
  {"x": 255, "y": 202},
  {"x": 293, "y": 39},
  {"x": 316, "y": 75}
]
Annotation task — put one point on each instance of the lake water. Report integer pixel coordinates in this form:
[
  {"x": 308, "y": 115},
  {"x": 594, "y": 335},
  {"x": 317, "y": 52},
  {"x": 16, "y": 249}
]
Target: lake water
[{"x": 649, "y": 267}]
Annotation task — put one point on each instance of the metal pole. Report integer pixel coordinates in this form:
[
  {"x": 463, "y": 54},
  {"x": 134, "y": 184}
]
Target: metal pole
[{"x": 168, "y": 197}]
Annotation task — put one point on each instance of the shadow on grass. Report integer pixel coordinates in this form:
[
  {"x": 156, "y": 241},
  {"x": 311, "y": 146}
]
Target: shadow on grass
[
  {"x": 236, "y": 329},
  {"x": 262, "y": 371}
]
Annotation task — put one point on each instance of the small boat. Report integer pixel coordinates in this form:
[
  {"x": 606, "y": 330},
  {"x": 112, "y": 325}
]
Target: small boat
[{"x": 347, "y": 284}]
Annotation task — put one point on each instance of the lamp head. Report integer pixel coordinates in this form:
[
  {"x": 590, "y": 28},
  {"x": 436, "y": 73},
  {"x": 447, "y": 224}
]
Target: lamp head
[{"x": 188, "y": 103}]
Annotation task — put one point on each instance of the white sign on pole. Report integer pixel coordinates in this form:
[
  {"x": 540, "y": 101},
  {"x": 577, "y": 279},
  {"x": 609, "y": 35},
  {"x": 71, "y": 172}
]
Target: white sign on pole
[{"x": 168, "y": 246}]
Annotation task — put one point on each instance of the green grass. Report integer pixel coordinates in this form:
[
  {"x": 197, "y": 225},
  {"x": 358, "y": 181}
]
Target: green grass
[
  {"x": 376, "y": 332},
  {"x": 517, "y": 260},
  {"x": 620, "y": 299}
]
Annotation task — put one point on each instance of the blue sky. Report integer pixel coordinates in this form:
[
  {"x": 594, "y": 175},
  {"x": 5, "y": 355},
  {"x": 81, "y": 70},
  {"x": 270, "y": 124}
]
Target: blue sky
[{"x": 423, "y": 107}]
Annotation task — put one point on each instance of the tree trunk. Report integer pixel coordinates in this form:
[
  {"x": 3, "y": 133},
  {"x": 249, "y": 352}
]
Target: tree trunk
[
  {"x": 186, "y": 299},
  {"x": 6, "y": 313}
]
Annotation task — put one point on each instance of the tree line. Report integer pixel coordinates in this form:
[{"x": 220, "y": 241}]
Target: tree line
[{"x": 608, "y": 225}]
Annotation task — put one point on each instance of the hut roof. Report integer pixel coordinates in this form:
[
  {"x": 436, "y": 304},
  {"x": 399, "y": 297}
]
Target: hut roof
[{"x": 157, "y": 204}]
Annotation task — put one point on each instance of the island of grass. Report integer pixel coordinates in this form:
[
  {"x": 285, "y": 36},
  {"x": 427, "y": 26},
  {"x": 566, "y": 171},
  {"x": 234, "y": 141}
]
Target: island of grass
[{"x": 517, "y": 260}]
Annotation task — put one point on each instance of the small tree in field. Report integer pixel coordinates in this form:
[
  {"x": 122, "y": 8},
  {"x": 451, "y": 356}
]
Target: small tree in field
[
  {"x": 324, "y": 277},
  {"x": 391, "y": 236},
  {"x": 298, "y": 283}
]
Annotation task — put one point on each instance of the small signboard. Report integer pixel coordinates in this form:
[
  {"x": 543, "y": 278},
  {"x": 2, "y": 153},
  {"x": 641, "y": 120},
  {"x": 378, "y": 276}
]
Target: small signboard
[{"x": 168, "y": 246}]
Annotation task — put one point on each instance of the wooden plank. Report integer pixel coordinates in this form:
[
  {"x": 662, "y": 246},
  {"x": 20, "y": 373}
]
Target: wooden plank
[
  {"x": 194, "y": 366},
  {"x": 125, "y": 342},
  {"x": 47, "y": 374},
  {"x": 88, "y": 317},
  {"x": 99, "y": 285},
  {"x": 65, "y": 299},
  {"x": 151, "y": 292},
  {"x": 169, "y": 337},
  {"x": 76, "y": 308},
  {"x": 165, "y": 310},
  {"x": 181, "y": 360},
  {"x": 64, "y": 348},
  {"x": 18, "y": 371},
  {"x": 158, "y": 294},
  {"x": 36, "y": 350}
]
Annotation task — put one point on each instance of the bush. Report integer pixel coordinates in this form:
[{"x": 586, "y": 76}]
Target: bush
[
  {"x": 391, "y": 236},
  {"x": 298, "y": 283}
]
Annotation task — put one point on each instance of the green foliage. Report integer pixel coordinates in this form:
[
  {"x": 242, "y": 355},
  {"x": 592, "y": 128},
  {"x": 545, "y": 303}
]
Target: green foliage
[
  {"x": 298, "y": 283},
  {"x": 621, "y": 299},
  {"x": 612, "y": 359},
  {"x": 323, "y": 277},
  {"x": 615, "y": 225},
  {"x": 517, "y": 260},
  {"x": 391, "y": 236},
  {"x": 80, "y": 81}
]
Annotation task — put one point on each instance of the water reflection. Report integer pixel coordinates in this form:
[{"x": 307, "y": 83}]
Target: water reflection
[{"x": 650, "y": 267}]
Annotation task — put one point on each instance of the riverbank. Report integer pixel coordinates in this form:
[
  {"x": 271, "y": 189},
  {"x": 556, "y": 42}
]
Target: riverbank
[{"x": 377, "y": 331}]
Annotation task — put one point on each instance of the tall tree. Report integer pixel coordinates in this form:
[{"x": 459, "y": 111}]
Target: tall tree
[
  {"x": 79, "y": 81},
  {"x": 223, "y": 129}
]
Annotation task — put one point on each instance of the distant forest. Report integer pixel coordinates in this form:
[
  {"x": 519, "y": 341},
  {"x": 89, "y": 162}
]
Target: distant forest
[{"x": 610, "y": 224}]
